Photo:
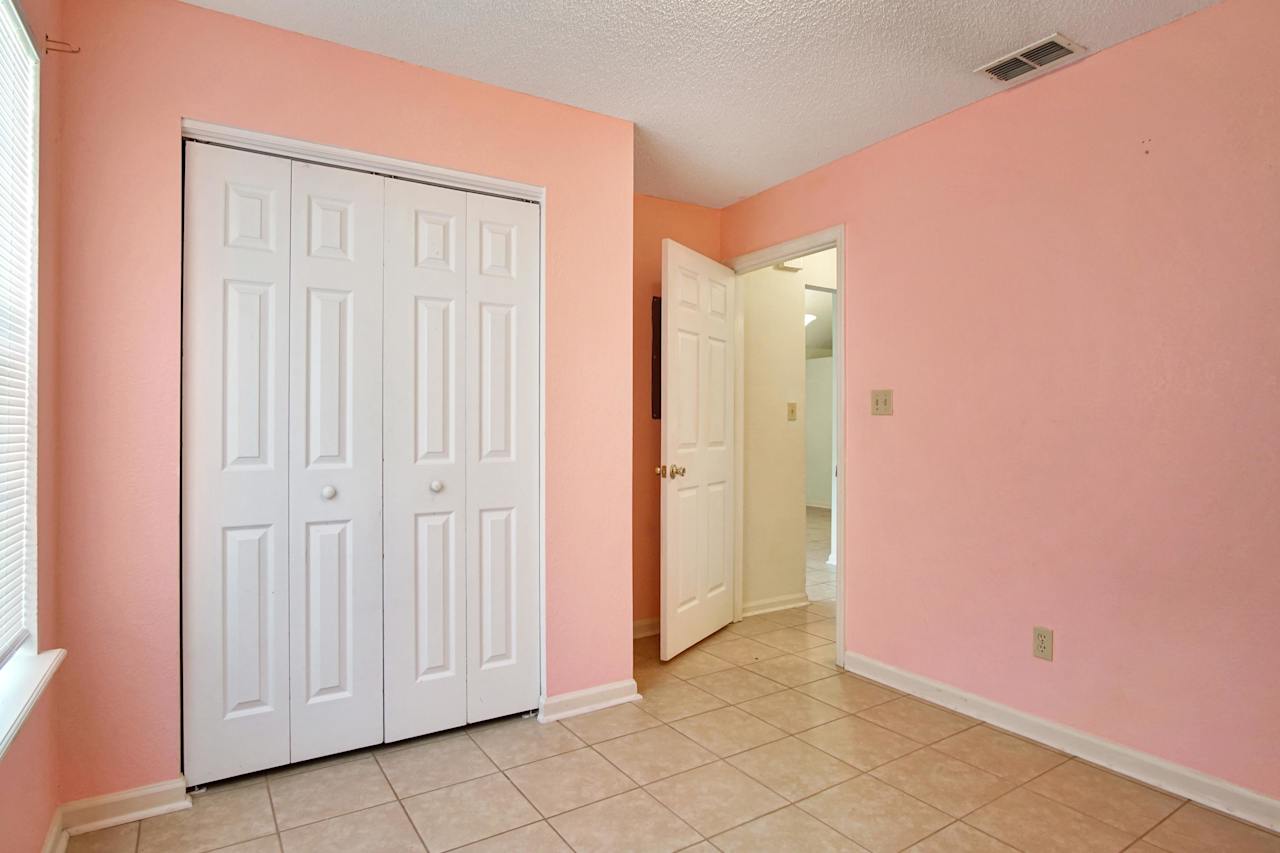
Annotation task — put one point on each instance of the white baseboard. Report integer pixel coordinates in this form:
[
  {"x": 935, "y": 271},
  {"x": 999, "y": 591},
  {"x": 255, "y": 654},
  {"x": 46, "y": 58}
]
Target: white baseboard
[
  {"x": 646, "y": 627},
  {"x": 107, "y": 810},
  {"x": 778, "y": 602},
  {"x": 585, "y": 701},
  {"x": 1174, "y": 778}
]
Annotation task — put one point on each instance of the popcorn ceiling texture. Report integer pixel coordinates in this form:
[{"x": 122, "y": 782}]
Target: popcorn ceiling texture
[{"x": 728, "y": 97}]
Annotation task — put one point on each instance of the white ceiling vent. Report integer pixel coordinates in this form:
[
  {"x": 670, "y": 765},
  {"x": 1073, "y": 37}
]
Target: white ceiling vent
[{"x": 1035, "y": 59}]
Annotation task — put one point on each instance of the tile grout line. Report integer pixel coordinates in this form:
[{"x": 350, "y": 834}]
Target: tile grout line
[
  {"x": 1158, "y": 824},
  {"x": 271, "y": 801},
  {"x": 542, "y": 818},
  {"x": 399, "y": 801},
  {"x": 636, "y": 786}
]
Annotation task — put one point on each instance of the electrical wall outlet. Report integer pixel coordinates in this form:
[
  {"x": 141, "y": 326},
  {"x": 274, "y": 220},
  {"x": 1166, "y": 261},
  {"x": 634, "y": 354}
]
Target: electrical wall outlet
[
  {"x": 882, "y": 401},
  {"x": 1042, "y": 643}
]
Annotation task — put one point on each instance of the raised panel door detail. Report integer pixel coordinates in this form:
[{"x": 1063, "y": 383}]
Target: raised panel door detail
[
  {"x": 434, "y": 240},
  {"x": 687, "y": 390},
  {"x": 328, "y": 360},
  {"x": 250, "y": 217},
  {"x": 497, "y": 381},
  {"x": 330, "y": 228},
  {"x": 717, "y": 407},
  {"x": 328, "y": 610},
  {"x": 718, "y": 301},
  {"x": 497, "y": 249},
  {"x": 687, "y": 289},
  {"x": 247, "y": 374},
  {"x": 436, "y": 576},
  {"x": 246, "y": 629},
  {"x": 685, "y": 517},
  {"x": 434, "y": 380},
  {"x": 497, "y": 586},
  {"x": 717, "y": 534}
]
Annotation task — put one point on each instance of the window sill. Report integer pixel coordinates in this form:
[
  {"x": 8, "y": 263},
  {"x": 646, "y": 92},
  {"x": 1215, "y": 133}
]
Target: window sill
[{"x": 22, "y": 679}]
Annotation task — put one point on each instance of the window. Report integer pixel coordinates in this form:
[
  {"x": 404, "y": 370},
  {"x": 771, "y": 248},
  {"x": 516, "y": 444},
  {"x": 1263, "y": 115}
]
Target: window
[{"x": 19, "y": 140}]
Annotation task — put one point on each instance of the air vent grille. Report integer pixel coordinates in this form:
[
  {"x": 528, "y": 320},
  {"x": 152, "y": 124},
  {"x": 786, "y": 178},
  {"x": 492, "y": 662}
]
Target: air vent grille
[
  {"x": 1033, "y": 59},
  {"x": 1010, "y": 68}
]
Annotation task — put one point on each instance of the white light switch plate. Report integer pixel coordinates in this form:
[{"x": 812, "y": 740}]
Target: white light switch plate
[{"x": 882, "y": 401}]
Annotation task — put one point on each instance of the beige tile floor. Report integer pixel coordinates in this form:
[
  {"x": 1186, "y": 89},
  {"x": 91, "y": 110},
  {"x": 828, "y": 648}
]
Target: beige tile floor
[{"x": 753, "y": 741}]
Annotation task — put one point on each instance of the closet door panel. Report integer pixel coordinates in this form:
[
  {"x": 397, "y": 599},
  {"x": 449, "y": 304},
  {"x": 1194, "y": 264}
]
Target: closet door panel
[
  {"x": 235, "y": 486},
  {"x": 335, "y": 449},
  {"x": 425, "y": 460},
  {"x": 503, "y": 661}
]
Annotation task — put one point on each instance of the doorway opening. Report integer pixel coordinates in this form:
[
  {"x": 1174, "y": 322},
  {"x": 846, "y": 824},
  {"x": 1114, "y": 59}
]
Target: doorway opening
[
  {"x": 788, "y": 439},
  {"x": 752, "y": 445},
  {"x": 819, "y": 442}
]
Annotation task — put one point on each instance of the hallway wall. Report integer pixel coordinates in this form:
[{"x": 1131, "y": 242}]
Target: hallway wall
[
  {"x": 773, "y": 469},
  {"x": 819, "y": 431},
  {"x": 1072, "y": 288}
]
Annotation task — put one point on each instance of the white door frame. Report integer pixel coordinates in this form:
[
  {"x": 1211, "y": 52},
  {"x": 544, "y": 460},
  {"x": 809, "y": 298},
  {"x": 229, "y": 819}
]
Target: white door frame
[
  {"x": 829, "y": 238},
  {"x": 329, "y": 155}
]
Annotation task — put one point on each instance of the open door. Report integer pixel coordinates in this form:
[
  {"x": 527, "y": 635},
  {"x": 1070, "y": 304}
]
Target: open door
[{"x": 696, "y": 467}]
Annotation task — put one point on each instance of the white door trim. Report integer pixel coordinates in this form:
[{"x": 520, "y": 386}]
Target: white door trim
[
  {"x": 751, "y": 261},
  {"x": 329, "y": 155},
  {"x": 297, "y": 149}
]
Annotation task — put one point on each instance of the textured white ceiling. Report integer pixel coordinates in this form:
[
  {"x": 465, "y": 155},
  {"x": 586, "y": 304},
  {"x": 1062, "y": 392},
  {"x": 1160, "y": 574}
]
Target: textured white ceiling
[{"x": 728, "y": 96}]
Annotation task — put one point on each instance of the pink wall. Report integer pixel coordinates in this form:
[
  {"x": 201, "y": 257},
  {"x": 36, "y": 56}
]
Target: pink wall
[
  {"x": 145, "y": 65},
  {"x": 29, "y": 771},
  {"x": 1074, "y": 288},
  {"x": 699, "y": 229},
  {"x": 29, "y": 781}
]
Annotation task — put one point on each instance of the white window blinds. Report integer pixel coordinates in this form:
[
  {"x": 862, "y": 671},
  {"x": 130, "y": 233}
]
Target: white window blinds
[{"x": 19, "y": 82}]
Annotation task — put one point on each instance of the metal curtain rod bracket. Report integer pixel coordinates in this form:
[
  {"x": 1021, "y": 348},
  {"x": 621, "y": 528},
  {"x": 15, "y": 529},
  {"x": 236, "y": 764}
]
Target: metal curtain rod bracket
[{"x": 56, "y": 46}]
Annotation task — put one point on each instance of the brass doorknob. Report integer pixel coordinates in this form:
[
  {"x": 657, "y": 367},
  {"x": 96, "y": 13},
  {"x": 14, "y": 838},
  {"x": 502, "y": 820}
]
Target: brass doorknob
[
  {"x": 661, "y": 471},
  {"x": 678, "y": 471}
]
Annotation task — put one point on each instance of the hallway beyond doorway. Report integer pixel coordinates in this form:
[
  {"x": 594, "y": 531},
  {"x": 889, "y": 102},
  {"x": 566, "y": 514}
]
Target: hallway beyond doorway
[{"x": 819, "y": 575}]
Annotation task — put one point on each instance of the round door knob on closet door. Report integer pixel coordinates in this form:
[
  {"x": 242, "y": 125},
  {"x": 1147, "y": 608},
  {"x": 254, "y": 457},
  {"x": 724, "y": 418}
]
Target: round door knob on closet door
[
  {"x": 437, "y": 486},
  {"x": 328, "y": 493}
]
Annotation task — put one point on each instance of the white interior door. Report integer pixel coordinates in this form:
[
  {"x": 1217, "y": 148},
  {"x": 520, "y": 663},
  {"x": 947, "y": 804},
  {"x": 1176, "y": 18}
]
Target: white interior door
[
  {"x": 335, "y": 507},
  {"x": 503, "y": 248},
  {"x": 425, "y": 465},
  {"x": 235, "y": 458},
  {"x": 697, "y": 447}
]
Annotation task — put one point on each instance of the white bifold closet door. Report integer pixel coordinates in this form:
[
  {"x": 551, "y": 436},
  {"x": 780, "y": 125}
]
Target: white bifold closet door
[
  {"x": 360, "y": 460},
  {"x": 425, "y": 469},
  {"x": 235, "y": 463},
  {"x": 461, "y": 469},
  {"x": 335, "y": 470}
]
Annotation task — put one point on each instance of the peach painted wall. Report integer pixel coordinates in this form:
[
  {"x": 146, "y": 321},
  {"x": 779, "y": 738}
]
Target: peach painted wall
[
  {"x": 1074, "y": 289},
  {"x": 699, "y": 229},
  {"x": 145, "y": 65},
  {"x": 29, "y": 771}
]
